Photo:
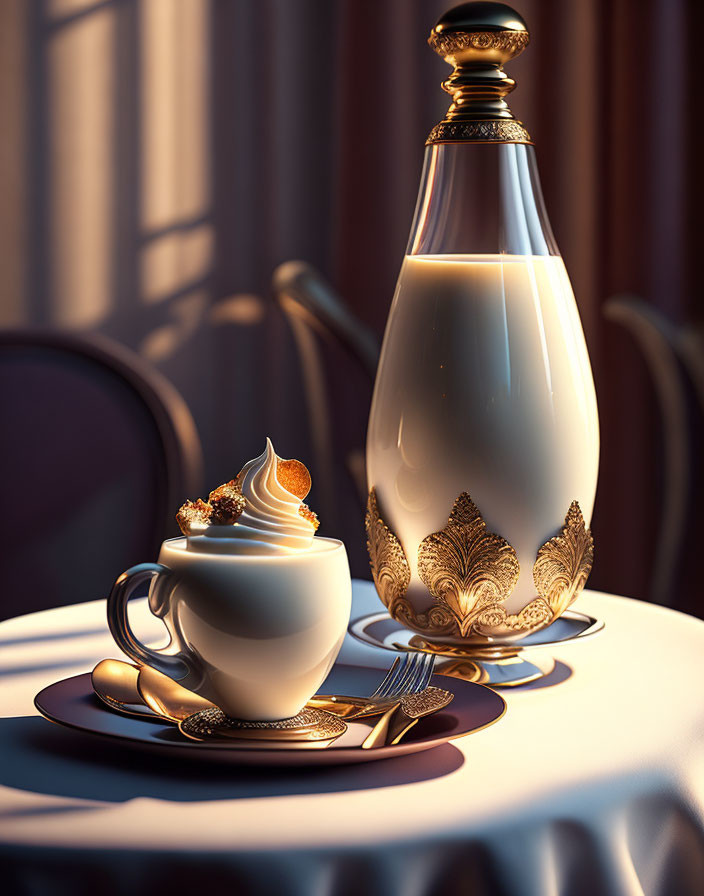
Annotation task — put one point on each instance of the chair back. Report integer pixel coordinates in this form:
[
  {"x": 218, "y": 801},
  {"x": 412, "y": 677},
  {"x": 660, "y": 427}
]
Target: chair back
[
  {"x": 674, "y": 355},
  {"x": 314, "y": 310},
  {"x": 98, "y": 452},
  {"x": 296, "y": 283}
]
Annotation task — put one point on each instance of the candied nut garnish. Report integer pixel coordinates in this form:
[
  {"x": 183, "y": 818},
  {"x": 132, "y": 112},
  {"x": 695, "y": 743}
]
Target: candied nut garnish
[
  {"x": 293, "y": 476},
  {"x": 307, "y": 514},
  {"x": 194, "y": 513},
  {"x": 228, "y": 502}
]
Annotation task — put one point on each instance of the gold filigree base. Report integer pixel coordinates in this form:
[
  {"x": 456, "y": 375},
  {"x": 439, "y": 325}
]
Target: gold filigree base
[
  {"x": 496, "y": 665},
  {"x": 471, "y": 572}
]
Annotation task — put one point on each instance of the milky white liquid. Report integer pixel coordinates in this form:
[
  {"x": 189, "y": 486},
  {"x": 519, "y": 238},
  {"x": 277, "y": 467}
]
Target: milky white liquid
[{"x": 484, "y": 386}]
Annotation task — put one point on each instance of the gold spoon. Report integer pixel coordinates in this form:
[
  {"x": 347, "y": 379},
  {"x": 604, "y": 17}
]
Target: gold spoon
[
  {"x": 167, "y": 698},
  {"x": 115, "y": 682}
]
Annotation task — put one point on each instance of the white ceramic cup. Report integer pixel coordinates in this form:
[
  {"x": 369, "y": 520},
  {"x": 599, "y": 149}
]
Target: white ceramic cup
[{"x": 255, "y": 635}]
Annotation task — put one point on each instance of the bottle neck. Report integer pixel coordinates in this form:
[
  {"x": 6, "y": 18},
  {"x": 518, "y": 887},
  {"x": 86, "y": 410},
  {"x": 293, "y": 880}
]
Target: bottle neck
[
  {"x": 478, "y": 94},
  {"x": 479, "y": 199}
]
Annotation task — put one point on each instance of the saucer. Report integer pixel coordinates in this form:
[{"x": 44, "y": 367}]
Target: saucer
[
  {"x": 72, "y": 703},
  {"x": 496, "y": 665}
]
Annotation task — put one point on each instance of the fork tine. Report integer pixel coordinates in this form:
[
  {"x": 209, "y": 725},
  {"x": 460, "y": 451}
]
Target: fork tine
[
  {"x": 399, "y": 685},
  {"x": 417, "y": 677},
  {"x": 417, "y": 684},
  {"x": 409, "y": 674},
  {"x": 399, "y": 665},
  {"x": 392, "y": 686},
  {"x": 393, "y": 671},
  {"x": 405, "y": 682}
]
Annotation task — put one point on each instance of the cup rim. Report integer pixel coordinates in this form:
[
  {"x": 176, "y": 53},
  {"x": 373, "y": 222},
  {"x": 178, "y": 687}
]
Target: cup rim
[{"x": 331, "y": 545}]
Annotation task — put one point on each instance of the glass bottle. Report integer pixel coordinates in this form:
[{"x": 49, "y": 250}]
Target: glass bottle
[{"x": 484, "y": 386}]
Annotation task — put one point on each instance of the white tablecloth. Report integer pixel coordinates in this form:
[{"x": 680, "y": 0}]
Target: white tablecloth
[{"x": 592, "y": 783}]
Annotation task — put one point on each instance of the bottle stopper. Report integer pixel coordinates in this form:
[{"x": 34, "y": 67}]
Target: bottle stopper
[{"x": 478, "y": 39}]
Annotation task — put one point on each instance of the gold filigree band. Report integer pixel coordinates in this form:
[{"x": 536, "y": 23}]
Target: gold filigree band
[
  {"x": 470, "y": 573},
  {"x": 448, "y": 43},
  {"x": 490, "y": 131}
]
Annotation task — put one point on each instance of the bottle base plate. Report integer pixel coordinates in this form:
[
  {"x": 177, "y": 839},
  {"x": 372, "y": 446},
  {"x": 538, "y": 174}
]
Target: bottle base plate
[{"x": 497, "y": 665}]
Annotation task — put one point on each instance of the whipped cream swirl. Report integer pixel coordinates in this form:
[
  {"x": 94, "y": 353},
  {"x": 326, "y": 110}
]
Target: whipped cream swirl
[{"x": 269, "y": 524}]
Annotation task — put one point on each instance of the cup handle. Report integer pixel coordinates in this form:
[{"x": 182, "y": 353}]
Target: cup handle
[{"x": 175, "y": 665}]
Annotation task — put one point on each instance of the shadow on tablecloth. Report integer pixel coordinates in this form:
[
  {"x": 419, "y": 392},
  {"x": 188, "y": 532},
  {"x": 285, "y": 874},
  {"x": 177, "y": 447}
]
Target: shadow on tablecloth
[
  {"x": 560, "y": 673},
  {"x": 40, "y": 757}
]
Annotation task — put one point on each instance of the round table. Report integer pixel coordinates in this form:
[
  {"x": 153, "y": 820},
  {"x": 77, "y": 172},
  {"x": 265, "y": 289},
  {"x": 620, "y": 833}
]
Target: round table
[{"x": 592, "y": 783}]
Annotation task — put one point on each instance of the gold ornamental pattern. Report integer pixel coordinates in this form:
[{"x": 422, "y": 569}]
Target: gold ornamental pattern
[
  {"x": 563, "y": 564},
  {"x": 466, "y": 568},
  {"x": 489, "y": 131},
  {"x": 386, "y": 557},
  {"x": 471, "y": 572},
  {"x": 450, "y": 42},
  {"x": 495, "y": 622},
  {"x": 392, "y": 574}
]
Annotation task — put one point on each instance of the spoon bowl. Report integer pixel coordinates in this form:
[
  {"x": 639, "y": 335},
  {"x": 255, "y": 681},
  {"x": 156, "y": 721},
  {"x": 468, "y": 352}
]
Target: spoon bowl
[
  {"x": 167, "y": 698},
  {"x": 115, "y": 683}
]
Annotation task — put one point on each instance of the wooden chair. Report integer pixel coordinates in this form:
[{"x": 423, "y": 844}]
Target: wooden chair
[
  {"x": 315, "y": 310},
  {"x": 98, "y": 452}
]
